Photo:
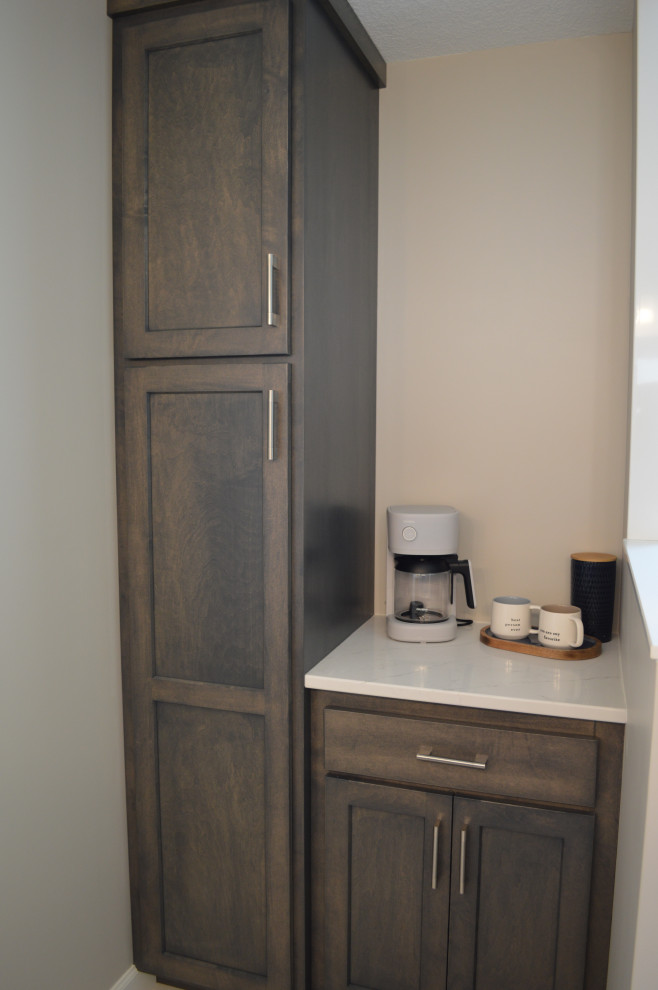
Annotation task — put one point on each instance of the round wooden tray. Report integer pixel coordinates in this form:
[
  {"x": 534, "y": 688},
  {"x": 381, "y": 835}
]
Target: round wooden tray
[{"x": 591, "y": 647}]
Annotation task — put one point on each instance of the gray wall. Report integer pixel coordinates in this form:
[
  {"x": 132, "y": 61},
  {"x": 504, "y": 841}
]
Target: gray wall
[{"x": 64, "y": 914}]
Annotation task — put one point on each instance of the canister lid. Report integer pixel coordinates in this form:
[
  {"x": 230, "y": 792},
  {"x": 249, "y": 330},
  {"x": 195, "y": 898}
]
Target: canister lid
[{"x": 594, "y": 558}]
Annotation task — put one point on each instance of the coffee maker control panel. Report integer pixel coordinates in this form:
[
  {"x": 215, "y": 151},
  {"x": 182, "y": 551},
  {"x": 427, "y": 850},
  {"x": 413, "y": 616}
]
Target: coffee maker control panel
[{"x": 432, "y": 529}]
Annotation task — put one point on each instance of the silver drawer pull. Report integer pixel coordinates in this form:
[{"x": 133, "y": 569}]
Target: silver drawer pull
[
  {"x": 479, "y": 763},
  {"x": 272, "y": 290},
  {"x": 271, "y": 425},
  {"x": 462, "y": 860},
  {"x": 435, "y": 855}
]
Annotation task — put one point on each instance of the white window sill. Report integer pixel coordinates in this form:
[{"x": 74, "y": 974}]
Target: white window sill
[{"x": 642, "y": 557}]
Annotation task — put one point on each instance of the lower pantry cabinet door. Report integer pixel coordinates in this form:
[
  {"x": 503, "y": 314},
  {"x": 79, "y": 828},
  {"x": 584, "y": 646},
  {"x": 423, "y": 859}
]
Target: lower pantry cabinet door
[
  {"x": 387, "y": 886},
  {"x": 207, "y": 670},
  {"x": 520, "y": 897}
]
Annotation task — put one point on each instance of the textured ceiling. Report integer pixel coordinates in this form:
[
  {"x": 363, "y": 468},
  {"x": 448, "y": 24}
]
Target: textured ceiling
[{"x": 408, "y": 29}]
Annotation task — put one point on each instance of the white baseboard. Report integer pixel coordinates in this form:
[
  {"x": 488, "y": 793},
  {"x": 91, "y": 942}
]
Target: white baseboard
[
  {"x": 132, "y": 979},
  {"x": 125, "y": 981}
]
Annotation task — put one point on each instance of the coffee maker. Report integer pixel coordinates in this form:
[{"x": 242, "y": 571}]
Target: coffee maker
[{"x": 422, "y": 563}]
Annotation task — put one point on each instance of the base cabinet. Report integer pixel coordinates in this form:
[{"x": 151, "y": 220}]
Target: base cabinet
[
  {"x": 427, "y": 891},
  {"x": 432, "y": 880}
]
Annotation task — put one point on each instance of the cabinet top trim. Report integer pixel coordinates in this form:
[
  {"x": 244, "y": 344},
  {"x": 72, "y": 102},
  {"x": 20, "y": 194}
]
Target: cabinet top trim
[
  {"x": 339, "y": 12},
  {"x": 358, "y": 39}
]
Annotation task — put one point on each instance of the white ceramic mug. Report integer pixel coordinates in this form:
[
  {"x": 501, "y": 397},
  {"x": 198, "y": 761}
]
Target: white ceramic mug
[
  {"x": 511, "y": 617},
  {"x": 560, "y": 627}
]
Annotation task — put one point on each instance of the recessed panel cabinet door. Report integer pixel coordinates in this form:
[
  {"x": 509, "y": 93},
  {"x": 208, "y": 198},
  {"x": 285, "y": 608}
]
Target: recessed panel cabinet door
[
  {"x": 387, "y": 887},
  {"x": 207, "y": 477},
  {"x": 520, "y": 897},
  {"x": 204, "y": 182}
]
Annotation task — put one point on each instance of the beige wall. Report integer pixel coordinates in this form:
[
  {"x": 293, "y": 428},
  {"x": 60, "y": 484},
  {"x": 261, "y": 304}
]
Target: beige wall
[
  {"x": 64, "y": 911},
  {"x": 504, "y": 304}
]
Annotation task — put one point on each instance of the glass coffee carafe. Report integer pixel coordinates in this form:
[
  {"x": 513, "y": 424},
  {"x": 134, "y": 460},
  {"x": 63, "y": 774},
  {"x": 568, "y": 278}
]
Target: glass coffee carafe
[
  {"x": 422, "y": 589},
  {"x": 423, "y": 586}
]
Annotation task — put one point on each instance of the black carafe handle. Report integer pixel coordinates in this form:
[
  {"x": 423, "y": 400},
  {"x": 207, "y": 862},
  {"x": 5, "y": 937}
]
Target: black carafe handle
[{"x": 463, "y": 567}]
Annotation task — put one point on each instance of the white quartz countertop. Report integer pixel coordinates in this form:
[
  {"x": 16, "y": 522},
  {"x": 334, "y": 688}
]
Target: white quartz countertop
[{"x": 466, "y": 672}]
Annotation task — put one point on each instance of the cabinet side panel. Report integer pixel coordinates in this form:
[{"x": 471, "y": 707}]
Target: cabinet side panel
[
  {"x": 207, "y": 536},
  {"x": 340, "y": 305},
  {"x": 212, "y": 821}
]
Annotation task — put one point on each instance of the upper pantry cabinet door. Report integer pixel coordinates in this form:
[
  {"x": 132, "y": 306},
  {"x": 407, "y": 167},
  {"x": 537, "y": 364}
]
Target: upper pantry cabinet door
[{"x": 203, "y": 200}]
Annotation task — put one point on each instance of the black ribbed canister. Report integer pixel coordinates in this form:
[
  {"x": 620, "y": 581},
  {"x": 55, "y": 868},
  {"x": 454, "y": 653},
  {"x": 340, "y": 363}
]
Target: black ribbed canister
[{"x": 593, "y": 577}]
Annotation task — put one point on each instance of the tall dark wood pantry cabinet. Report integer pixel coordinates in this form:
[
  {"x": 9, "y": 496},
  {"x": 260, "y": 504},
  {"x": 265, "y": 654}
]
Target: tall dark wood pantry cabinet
[{"x": 245, "y": 204}]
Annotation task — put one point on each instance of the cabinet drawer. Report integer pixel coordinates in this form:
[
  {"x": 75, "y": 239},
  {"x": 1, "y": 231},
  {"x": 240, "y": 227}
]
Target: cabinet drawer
[{"x": 508, "y": 762}]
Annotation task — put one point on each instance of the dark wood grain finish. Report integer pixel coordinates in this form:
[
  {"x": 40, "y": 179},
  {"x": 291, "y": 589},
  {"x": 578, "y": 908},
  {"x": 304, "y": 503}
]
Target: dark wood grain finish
[
  {"x": 220, "y": 696},
  {"x": 317, "y": 209},
  {"x": 608, "y": 790},
  {"x": 204, "y": 176},
  {"x": 182, "y": 811},
  {"x": 204, "y": 243},
  {"x": 457, "y": 714},
  {"x": 206, "y": 469},
  {"x": 340, "y": 318},
  {"x": 334, "y": 162},
  {"x": 203, "y": 576},
  {"x": 386, "y": 924},
  {"x": 521, "y": 920},
  {"x": 547, "y": 853},
  {"x": 212, "y": 822},
  {"x": 559, "y": 769},
  {"x": 116, "y": 8},
  {"x": 357, "y": 38},
  {"x": 347, "y": 24},
  {"x": 377, "y": 840}
]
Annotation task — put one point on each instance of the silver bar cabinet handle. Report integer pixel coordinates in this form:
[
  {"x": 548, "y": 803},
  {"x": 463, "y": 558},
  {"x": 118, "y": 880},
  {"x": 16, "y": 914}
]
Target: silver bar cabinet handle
[
  {"x": 479, "y": 763},
  {"x": 462, "y": 860},
  {"x": 271, "y": 409},
  {"x": 272, "y": 290},
  {"x": 435, "y": 855}
]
